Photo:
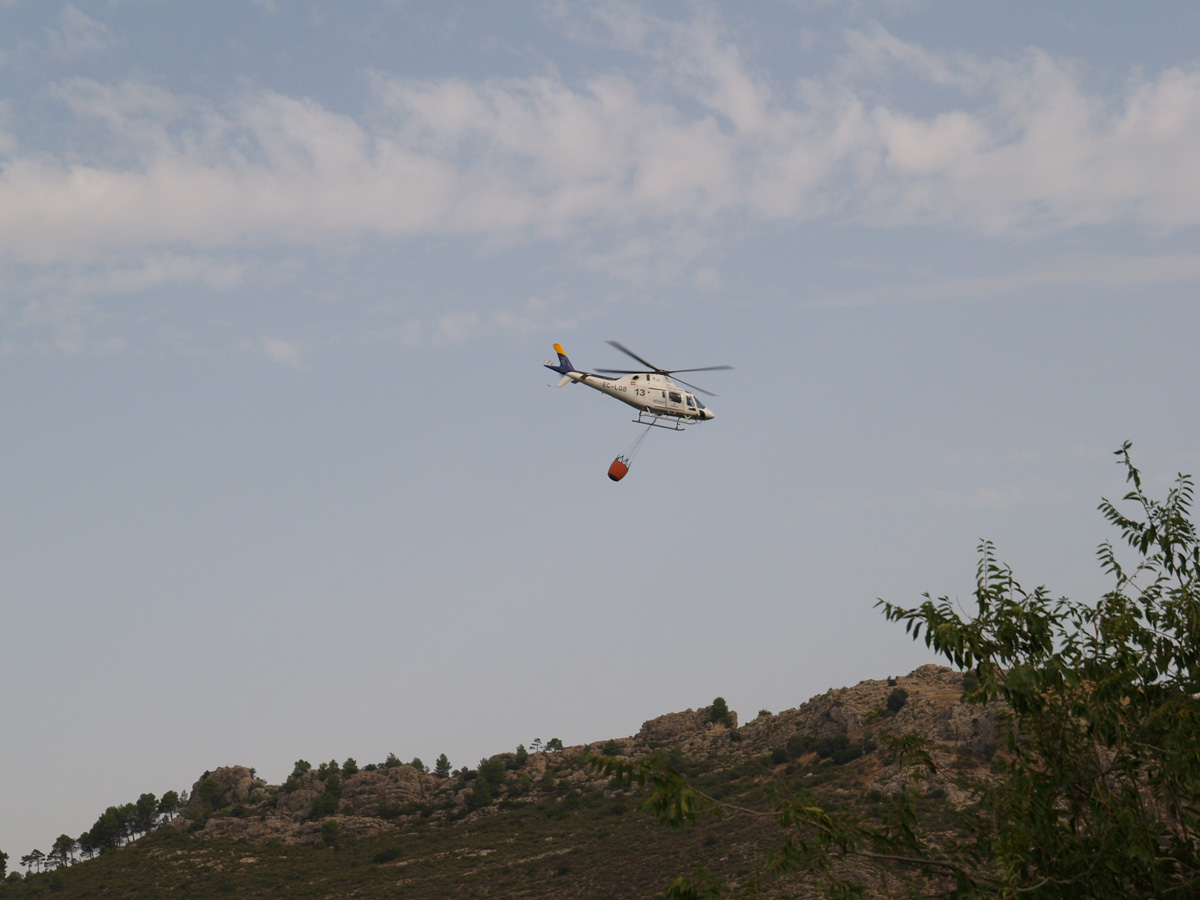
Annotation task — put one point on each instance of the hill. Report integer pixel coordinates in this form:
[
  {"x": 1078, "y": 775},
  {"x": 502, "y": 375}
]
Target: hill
[{"x": 544, "y": 824}]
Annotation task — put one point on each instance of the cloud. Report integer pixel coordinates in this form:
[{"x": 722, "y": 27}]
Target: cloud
[
  {"x": 1104, "y": 273},
  {"x": 1017, "y": 147},
  {"x": 287, "y": 353}
]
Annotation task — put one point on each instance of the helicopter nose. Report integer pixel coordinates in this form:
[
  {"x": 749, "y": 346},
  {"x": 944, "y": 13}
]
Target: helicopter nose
[{"x": 709, "y": 414}]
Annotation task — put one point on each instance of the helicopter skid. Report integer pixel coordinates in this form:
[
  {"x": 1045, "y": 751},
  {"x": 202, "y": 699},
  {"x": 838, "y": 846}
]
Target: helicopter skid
[{"x": 671, "y": 423}]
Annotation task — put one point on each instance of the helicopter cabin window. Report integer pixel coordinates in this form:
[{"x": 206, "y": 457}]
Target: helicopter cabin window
[
  {"x": 690, "y": 403},
  {"x": 675, "y": 398}
]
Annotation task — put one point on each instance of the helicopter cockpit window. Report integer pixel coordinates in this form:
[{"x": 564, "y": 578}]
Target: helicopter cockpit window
[
  {"x": 691, "y": 402},
  {"x": 675, "y": 398},
  {"x": 699, "y": 403}
]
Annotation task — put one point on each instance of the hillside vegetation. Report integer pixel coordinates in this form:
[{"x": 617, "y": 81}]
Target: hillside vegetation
[{"x": 546, "y": 824}]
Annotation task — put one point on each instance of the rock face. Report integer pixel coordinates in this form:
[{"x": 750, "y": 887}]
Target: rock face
[
  {"x": 674, "y": 727},
  {"x": 235, "y": 802}
]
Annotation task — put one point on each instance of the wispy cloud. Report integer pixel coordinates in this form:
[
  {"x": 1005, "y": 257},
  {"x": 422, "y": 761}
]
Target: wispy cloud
[
  {"x": 287, "y": 353},
  {"x": 1018, "y": 147},
  {"x": 1102, "y": 272}
]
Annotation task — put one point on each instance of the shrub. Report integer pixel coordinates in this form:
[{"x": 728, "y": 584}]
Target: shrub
[
  {"x": 492, "y": 771},
  {"x": 896, "y": 700},
  {"x": 391, "y": 854},
  {"x": 799, "y": 744},
  {"x": 826, "y": 747},
  {"x": 611, "y": 748},
  {"x": 720, "y": 712},
  {"x": 211, "y": 793},
  {"x": 323, "y": 805},
  {"x": 480, "y": 795},
  {"x": 331, "y": 833}
]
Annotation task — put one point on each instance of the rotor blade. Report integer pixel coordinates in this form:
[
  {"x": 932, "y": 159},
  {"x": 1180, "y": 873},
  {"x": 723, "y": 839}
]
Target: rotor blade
[
  {"x": 694, "y": 388},
  {"x": 629, "y": 352},
  {"x": 701, "y": 369},
  {"x": 627, "y": 371}
]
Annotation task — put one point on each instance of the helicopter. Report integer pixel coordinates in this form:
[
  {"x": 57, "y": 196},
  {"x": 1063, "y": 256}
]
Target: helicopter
[{"x": 659, "y": 400}]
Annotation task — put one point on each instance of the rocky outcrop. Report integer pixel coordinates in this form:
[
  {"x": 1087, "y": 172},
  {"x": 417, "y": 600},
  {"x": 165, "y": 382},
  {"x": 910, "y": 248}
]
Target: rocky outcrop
[
  {"x": 675, "y": 727},
  {"x": 371, "y": 801}
]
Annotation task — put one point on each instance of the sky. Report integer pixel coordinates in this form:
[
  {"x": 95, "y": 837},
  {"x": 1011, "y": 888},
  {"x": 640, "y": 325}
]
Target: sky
[{"x": 281, "y": 473}]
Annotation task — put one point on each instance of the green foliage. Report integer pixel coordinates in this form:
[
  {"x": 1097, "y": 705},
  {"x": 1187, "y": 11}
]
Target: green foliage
[
  {"x": 442, "y": 767},
  {"x": 762, "y": 713},
  {"x": 896, "y": 700},
  {"x": 3, "y": 864},
  {"x": 333, "y": 785},
  {"x": 387, "y": 855},
  {"x": 720, "y": 712},
  {"x": 211, "y": 792},
  {"x": 418, "y": 765},
  {"x": 169, "y": 804},
  {"x": 554, "y": 744},
  {"x": 521, "y": 756},
  {"x": 480, "y": 794},
  {"x": 323, "y": 804},
  {"x": 349, "y": 767},
  {"x": 392, "y": 761},
  {"x": 611, "y": 748},
  {"x": 301, "y": 766},
  {"x": 1098, "y": 785},
  {"x": 332, "y": 833},
  {"x": 492, "y": 771}
]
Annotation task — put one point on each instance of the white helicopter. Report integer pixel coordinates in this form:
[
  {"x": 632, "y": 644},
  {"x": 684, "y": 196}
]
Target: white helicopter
[{"x": 659, "y": 400}]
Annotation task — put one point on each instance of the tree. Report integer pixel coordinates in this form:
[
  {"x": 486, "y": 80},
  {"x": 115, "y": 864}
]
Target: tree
[
  {"x": 169, "y": 804},
  {"x": 536, "y": 746},
  {"x": 1099, "y": 787},
  {"x": 720, "y": 712},
  {"x": 211, "y": 792},
  {"x": 1097, "y": 791},
  {"x": 442, "y": 767},
  {"x": 492, "y": 771},
  {"x": 63, "y": 851},
  {"x": 146, "y": 815},
  {"x": 33, "y": 860},
  {"x": 554, "y": 744},
  {"x": 521, "y": 755},
  {"x": 349, "y": 767},
  {"x": 3, "y": 864}
]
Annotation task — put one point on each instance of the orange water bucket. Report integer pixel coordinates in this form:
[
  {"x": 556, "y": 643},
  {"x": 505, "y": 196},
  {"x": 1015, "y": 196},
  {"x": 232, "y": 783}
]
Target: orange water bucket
[{"x": 618, "y": 470}]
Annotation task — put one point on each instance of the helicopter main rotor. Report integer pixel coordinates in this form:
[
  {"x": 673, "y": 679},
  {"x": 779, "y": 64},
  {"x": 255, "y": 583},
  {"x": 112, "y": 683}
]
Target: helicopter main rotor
[{"x": 651, "y": 368}]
